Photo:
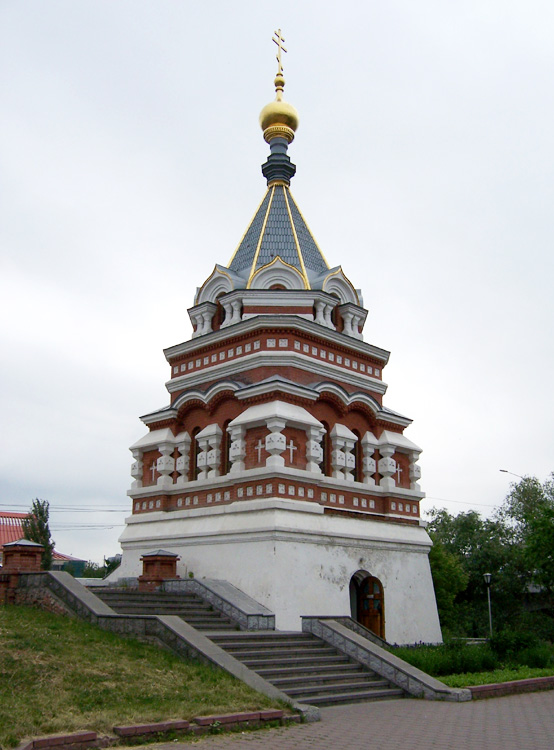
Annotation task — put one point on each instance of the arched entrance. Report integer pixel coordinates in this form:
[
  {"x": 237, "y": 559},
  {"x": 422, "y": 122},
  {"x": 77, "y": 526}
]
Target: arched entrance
[{"x": 367, "y": 602}]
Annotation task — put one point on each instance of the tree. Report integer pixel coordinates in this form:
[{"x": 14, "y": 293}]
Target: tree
[
  {"x": 482, "y": 546},
  {"x": 529, "y": 509},
  {"x": 449, "y": 579},
  {"x": 36, "y": 529}
]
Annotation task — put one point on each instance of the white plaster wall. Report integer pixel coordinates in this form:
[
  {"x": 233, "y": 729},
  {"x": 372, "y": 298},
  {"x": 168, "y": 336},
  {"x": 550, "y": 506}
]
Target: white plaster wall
[{"x": 295, "y": 560}]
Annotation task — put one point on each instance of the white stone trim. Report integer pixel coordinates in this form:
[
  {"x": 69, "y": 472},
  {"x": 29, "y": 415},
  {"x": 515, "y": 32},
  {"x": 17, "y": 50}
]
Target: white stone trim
[
  {"x": 274, "y": 359},
  {"x": 291, "y": 323}
]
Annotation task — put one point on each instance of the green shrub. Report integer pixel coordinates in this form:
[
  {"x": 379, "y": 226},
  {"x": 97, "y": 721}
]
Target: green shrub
[
  {"x": 508, "y": 643},
  {"x": 454, "y": 657},
  {"x": 540, "y": 656}
]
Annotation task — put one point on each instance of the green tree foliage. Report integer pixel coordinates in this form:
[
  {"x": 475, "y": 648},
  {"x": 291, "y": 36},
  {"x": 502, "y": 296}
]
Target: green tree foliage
[
  {"x": 449, "y": 579},
  {"x": 36, "y": 529},
  {"x": 516, "y": 546},
  {"x": 529, "y": 509}
]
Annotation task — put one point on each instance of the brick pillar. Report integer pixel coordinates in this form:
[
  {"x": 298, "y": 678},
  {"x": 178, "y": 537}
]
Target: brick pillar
[
  {"x": 21, "y": 556},
  {"x": 157, "y": 566}
]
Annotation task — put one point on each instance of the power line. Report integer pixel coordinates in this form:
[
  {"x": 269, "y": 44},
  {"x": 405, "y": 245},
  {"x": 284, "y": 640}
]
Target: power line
[{"x": 461, "y": 502}]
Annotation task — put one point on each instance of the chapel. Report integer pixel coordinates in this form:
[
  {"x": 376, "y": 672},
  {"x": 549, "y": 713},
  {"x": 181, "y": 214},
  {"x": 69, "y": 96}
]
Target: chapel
[{"x": 276, "y": 465}]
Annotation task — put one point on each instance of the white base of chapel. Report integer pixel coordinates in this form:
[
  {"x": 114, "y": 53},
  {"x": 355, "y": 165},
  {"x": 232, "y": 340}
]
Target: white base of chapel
[{"x": 296, "y": 560}]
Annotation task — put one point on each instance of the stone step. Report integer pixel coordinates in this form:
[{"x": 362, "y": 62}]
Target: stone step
[
  {"x": 239, "y": 645},
  {"x": 272, "y": 673},
  {"x": 314, "y": 652},
  {"x": 320, "y": 678},
  {"x": 171, "y": 609},
  {"x": 333, "y": 688},
  {"x": 273, "y": 635},
  {"x": 357, "y": 696},
  {"x": 307, "y": 661}
]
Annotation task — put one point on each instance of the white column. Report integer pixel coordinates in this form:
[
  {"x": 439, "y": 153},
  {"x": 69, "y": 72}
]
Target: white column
[
  {"x": 415, "y": 471},
  {"x": 356, "y": 322},
  {"x": 320, "y": 312},
  {"x": 183, "y": 461},
  {"x": 197, "y": 323},
  {"x": 369, "y": 465},
  {"x": 327, "y": 315},
  {"x": 347, "y": 321},
  {"x": 237, "y": 307},
  {"x": 228, "y": 309},
  {"x": 136, "y": 468},
  {"x": 208, "y": 317},
  {"x": 275, "y": 442},
  {"x": 314, "y": 451},
  {"x": 343, "y": 460},
  {"x": 387, "y": 467},
  {"x": 165, "y": 465},
  {"x": 209, "y": 458},
  {"x": 237, "y": 451}
]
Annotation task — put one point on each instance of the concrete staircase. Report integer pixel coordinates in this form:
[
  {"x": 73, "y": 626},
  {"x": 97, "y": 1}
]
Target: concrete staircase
[
  {"x": 301, "y": 665},
  {"x": 188, "y": 607},
  {"x": 305, "y": 667}
]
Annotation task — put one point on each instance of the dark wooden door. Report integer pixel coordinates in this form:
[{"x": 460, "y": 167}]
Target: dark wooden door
[{"x": 370, "y": 606}]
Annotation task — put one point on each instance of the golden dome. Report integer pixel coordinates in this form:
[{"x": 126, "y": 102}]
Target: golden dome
[{"x": 279, "y": 118}]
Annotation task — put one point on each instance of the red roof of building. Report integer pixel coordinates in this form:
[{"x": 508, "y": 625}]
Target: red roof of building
[
  {"x": 11, "y": 530},
  {"x": 11, "y": 526}
]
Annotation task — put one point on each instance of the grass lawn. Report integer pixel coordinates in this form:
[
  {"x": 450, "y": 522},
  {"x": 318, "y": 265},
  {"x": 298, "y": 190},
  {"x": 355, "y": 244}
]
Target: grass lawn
[
  {"x": 60, "y": 674},
  {"x": 496, "y": 675}
]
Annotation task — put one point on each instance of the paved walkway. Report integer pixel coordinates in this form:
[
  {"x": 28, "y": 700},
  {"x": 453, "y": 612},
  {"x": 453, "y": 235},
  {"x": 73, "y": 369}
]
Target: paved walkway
[{"x": 522, "y": 722}]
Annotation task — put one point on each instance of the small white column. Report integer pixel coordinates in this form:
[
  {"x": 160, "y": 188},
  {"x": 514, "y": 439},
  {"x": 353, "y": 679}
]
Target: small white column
[
  {"x": 237, "y": 311},
  {"x": 209, "y": 442},
  {"x": 320, "y": 312},
  {"x": 275, "y": 442},
  {"x": 347, "y": 323},
  {"x": 183, "y": 461},
  {"x": 197, "y": 324},
  {"x": 356, "y": 323},
  {"x": 208, "y": 317},
  {"x": 387, "y": 467},
  {"x": 343, "y": 461},
  {"x": 415, "y": 471},
  {"x": 228, "y": 310},
  {"x": 237, "y": 451},
  {"x": 136, "y": 468},
  {"x": 327, "y": 316},
  {"x": 314, "y": 451},
  {"x": 165, "y": 465},
  {"x": 369, "y": 465}
]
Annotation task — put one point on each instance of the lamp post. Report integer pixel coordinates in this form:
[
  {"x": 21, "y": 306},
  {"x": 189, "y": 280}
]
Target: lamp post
[
  {"x": 487, "y": 577},
  {"x": 505, "y": 471}
]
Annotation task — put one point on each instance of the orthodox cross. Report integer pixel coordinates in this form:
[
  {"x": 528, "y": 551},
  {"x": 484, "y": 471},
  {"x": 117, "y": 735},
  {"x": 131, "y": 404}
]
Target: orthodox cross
[
  {"x": 153, "y": 470},
  {"x": 398, "y": 473},
  {"x": 292, "y": 447},
  {"x": 278, "y": 39},
  {"x": 259, "y": 448}
]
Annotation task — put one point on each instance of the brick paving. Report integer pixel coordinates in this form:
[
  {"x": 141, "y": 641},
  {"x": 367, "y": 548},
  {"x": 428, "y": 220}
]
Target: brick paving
[{"x": 522, "y": 722}]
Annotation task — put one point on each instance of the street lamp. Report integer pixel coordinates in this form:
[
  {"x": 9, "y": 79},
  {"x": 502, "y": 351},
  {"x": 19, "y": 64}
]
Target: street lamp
[
  {"x": 505, "y": 471},
  {"x": 487, "y": 577}
]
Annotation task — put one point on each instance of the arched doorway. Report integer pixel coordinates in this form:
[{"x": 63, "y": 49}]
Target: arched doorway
[{"x": 367, "y": 602}]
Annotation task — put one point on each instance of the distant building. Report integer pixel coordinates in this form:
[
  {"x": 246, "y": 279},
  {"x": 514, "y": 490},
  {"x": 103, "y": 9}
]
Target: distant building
[{"x": 11, "y": 529}]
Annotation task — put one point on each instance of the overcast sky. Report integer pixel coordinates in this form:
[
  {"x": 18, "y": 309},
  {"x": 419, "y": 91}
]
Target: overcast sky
[{"x": 130, "y": 164}]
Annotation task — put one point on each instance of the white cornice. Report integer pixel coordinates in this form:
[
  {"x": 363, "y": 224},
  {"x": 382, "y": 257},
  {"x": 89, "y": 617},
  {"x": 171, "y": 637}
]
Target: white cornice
[
  {"x": 275, "y": 359},
  {"x": 264, "y": 474},
  {"x": 291, "y": 322},
  {"x": 277, "y": 386}
]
